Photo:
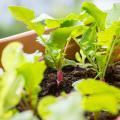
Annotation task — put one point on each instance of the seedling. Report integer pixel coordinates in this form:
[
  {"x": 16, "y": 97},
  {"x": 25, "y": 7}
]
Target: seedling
[
  {"x": 54, "y": 53},
  {"x": 98, "y": 96},
  {"x": 98, "y": 45},
  {"x": 20, "y": 78},
  {"x": 95, "y": 33}
]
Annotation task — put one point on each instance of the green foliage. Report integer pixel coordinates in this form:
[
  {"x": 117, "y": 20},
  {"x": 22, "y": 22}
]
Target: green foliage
[
  {"x": 51, "y": 23},
  {"x": 65, "y": 108},
  {"x": 98, "y": 96},
  {"x": 59, "y": 37},
  {"x": 11, "y": 87},
  {"x": 96, "y": 13},
  {"x": 69, "y": 20},
  {"x": 43, "y": 106},
  {"x": 81, "y": 57},
  {"x": 107, "y": 39},
  {"x": 12, "y": 56},
  {"x": 26, "y": 15},
  {"x": 21, "y": 78},
  {"x": 33, "y": 75},
  {"x": 23, "y": 73}
]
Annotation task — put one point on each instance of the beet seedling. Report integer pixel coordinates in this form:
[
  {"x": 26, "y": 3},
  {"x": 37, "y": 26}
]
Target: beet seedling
[
  {"x": 54, "y": 53},
  {"x": 98, "y": 43}
]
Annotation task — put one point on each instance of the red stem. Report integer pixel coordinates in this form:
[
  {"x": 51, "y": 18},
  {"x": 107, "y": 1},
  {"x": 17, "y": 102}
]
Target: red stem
[{"x": 59, "y": 76}]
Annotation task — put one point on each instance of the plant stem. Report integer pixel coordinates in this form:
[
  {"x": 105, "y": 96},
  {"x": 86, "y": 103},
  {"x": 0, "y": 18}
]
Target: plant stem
[
  {"x": 59, "y": 76},
  {"x": 109, "y": 53}
]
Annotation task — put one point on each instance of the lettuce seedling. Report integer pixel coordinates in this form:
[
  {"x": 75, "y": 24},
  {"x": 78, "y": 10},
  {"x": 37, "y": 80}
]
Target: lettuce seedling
[
  {"x": 99, "y": 97},
  {"x": 61, "y": 108},
  {"x": 21, "y": 78}
]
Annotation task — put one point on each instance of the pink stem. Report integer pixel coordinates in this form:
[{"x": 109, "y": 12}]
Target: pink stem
[{"x": 59, "y": 76}]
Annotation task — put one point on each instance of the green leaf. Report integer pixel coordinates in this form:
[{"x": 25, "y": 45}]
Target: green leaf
[
  {"x": 78, "y": 57},
  {"x": 11, "y": 88},
  {"x": 60, "y": 37},
  {"x": 98, "y": 96},
  {"x": 51, "y": 23},
  {"x": 12, "y": 56},
  {"x": 26, "y": 15},
  {"x": 67, "y": 108},
  {"x": 67, "y": 62},
  {"x": 98, "y": 103},
  {"x": 33, "y": 73},
  {"x": 22, "y": 14},
  {"x": 95, "y": 87},
  {"x": 88, "y": 40},
  {"x": 113, "y": 14},
  {"x": 105, "y": 37},
  {"x": 79, "y": 31},
  {"x": 69, "y": 20},
  {"x": 96, "y": 13},
  {"x": 43, "y": 106}
]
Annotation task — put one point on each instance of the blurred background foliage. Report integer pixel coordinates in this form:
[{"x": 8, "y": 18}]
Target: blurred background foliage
[{"x": 55, "y": 8}]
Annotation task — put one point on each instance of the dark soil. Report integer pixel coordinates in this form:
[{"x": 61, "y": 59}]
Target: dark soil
[
  {"x": 72, "y": 74},
  {"x": 102, "y": 116},
  {"x": 113, "y": 75}
]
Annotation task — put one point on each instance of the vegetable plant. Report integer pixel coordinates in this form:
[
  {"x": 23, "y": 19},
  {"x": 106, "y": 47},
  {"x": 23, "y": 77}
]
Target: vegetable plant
[
  {"x": 96, "y": 32},
  {"x": 19, "y": 81},
  {"x": 99, "y": 97},
  {"x": 61, "y": 108},
  {"x": 54, "y": 53},
  {"x": 99, "y": 40}
]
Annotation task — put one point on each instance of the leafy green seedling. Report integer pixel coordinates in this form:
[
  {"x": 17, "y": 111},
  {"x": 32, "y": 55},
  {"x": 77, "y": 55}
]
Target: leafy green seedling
[
  {"x": 96, "y": 13},
  {"x": 92, "y": 39},
  {"x": 98, "y": 45},
  {"x": 98, "y": 96},
  {"x": 43, "y": 106},
  {"x": 54, "y": 53},
  {"x": 81, "y": 57},
  {"x": 68, "y": 107},
  {"x": 22, "y": 71}
]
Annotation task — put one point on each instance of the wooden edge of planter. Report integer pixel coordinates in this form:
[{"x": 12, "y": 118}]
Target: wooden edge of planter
[{"x": 28, "y": 39}]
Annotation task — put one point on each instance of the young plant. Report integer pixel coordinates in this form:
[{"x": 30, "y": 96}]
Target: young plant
[
  {"x": 54, "y": 53},
  {"x": 98, "y": 45},
  {"x": 99, "y": 97},
  {"x": 20, "y": 80},
  {"x": 66, "y": 29},
  {"x": 68, "y": 107}
]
